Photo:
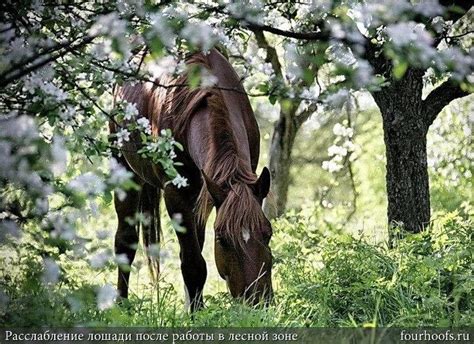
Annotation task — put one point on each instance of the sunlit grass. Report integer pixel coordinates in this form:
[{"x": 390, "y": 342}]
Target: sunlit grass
[{"x": 321, "y": 279}]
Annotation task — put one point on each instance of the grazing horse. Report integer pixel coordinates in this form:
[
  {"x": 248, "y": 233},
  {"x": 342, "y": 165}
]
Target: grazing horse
[{"x": 220, "y": 136}]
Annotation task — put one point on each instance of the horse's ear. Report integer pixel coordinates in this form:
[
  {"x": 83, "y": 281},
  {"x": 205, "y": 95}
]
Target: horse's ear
[
  {"x": 218, "y": 195},
  {"x": 262, "y": 186}
]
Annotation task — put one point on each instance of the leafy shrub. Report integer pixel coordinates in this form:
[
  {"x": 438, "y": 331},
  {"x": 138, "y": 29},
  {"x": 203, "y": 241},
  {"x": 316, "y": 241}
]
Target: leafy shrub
[
  {"x": 322, "y": 278},
  {"x": 425, "y": 279}
]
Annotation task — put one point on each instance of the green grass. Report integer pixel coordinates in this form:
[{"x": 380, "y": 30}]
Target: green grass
[{"x": 322, "y": 278}]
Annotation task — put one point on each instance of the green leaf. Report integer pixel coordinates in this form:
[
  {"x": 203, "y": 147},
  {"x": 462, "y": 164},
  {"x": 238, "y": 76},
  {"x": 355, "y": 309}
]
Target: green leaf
[
  {"x": 272, "y": 98},
  {"x": 399, "y": 69},
  {"x": 156, "y": 47}
]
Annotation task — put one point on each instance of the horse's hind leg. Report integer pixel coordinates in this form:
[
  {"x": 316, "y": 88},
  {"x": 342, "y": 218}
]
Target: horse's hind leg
[
  {"x": 126, "y": 238},
  {"x": 193, "y": 265}
]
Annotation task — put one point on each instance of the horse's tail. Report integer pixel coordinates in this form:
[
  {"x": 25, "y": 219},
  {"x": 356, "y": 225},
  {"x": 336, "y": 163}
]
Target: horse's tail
[{"x": 151, "y": 227}]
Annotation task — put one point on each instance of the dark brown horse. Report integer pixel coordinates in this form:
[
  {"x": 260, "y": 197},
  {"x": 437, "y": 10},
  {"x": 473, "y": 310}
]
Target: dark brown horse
[{"x": 220, "y": 135}]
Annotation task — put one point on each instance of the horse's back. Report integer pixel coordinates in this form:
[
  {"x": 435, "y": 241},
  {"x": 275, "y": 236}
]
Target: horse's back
[
  {"x": 238, "y": 105},
  {"x": 157, "y": 104},
  {"x": 138, "y": 93}
]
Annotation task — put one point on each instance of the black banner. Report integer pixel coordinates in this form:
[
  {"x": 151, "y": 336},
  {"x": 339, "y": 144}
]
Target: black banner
[{"x": 237, "y": 335}]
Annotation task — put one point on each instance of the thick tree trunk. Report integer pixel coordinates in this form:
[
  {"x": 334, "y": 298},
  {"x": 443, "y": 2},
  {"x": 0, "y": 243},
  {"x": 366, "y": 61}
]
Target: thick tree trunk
[
  {"x": 283, "y": 138},
  {"x": 405, "y": 127},
  {"x": 407, "y": 177}
]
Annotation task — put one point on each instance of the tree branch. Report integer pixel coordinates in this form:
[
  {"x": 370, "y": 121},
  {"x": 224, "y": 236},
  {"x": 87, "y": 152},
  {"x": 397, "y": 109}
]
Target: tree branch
[
  {"x": 272, "y": 56},
  {"x": 309, "y": 36},
  {"x": 456, "y": 9},
  {"x": 10, "y": 77},
  {"x": 440, "y": 97}
]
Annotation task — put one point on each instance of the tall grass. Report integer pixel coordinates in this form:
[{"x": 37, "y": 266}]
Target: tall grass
[{"x": 322, "y": 278}]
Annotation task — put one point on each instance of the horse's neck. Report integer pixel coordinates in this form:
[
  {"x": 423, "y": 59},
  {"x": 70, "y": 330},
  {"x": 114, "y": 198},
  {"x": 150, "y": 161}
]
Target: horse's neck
[
  {"x": 199, "y": 137},
  {"x": 202, "y": 146}
]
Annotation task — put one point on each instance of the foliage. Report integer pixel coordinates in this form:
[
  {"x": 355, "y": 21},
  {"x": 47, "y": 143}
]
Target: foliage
[
  {"x": 58, "y": 67},
  {"x": 333, "y": 279}
]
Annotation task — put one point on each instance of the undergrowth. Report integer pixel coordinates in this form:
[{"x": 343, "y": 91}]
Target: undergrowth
[{"x": 323, "y": 278}]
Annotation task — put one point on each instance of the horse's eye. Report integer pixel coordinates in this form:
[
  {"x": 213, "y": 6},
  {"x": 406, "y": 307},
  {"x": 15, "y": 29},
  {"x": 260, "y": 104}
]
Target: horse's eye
[
  {"x": 267, "y": 235},
  {"x": 224, "y": 242}
]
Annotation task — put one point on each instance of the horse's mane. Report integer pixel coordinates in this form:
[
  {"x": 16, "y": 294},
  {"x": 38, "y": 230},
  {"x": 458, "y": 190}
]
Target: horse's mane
[{"x": 224, "y": 165}]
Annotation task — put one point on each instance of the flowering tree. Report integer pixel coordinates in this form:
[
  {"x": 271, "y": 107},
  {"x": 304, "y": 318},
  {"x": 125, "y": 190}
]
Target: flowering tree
[
  {"x": 59, "y": 64},
  {"x": 396, "y": 50},
  {"x": 58, "y": 67}
]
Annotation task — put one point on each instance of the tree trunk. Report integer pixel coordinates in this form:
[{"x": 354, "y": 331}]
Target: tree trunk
[
  {"x": 407, "y": 178},
  {"x": 405, "y": 127},
  {"x": 283, "y": 138}
]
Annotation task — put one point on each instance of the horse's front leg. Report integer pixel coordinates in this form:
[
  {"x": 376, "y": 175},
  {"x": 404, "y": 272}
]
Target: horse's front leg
[{"x": 180, "y": 206}]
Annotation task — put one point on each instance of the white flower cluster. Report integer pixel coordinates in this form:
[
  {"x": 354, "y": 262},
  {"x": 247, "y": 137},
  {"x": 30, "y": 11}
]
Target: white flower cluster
[
  {"x": 293, "y": 70},
  {"x": 118, "y": 176},
  {"x": 88, "y": 183},
  {"x": 164, "y": 67},
  {"x": 256, "y": 57},
  {"x": 144, "y": 125},
  {"x": 131, "y": 112},
  {"x": 8, "y": 230},
  {"x": 337, "y": 99},
  {"x": 51, "y": 271},
  {"x": 19, "y": 140},
  {"x": 106, "y": 296},
  {"x": 108, "y": 24},
  {"x": 62, "y": 224},
  {"x": 207, "y": 79},
  {"x": 123, "y": 135},
  {"x": 199, "y": 35},
  {"x": 409, "y": 33},
  {"x": 161, "y": 29},
  {"x": 341, "y": 130},
  {"x": 39, "y": 81},
  {"x": 179, "y": 181},
  {"x": 113, "y": 31},
  {"x": 339, "y": 151}
]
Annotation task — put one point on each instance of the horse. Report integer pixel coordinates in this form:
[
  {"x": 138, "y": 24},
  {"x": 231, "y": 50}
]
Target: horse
[{"x": 220, "y": 137}]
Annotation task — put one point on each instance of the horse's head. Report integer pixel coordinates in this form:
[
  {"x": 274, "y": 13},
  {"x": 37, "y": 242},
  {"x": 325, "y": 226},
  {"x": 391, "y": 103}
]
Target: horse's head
[{"x": 242, "y": 236}]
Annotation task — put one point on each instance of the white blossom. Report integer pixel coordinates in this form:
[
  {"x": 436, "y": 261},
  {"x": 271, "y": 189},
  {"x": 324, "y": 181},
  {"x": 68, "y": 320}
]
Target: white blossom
[
  {"x": 162, "y": 67},
  {"x": 121, "y": 259},
  {"x": 22, "y": 127},
  {"x": 363, "y": 74},
  {"x": 406, "y": 33},
  {"x": 161, "y": 28},
  {"x": 108, "y": 24},
  {"x": 106, "y": 296},
  {"x": 373, "y": 13},
  {"x": 338, "y": 99},
  {"x": 67, "y": 113},
  {"x": 103, "y": 234},
  {"x": 337, "y": 150},
  {"x": 144, "y": 124},
  {"x": 429, "y": 8},
  {"x": 341, "y": 130},
  {"x": 99, "y": 260},
  {"x": 200, "y": 35},
  {"x": 88, "y": 183},
  {"x": 51, "y": 271},
  {"x": 123, "y": 135},
  {"x": 331, "y": 166},
  {"x": 8, "y": 229},
  {"x": 59, "y": 156},
  {"x": 63, "y": 225},
  {"x": 179, "y": 181},
  {"x": 41, "y": 206},
  {"x": 118, "y": 173},
  {"x": 207, "y": 79},
  {"x": 130, "y": 111}
]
